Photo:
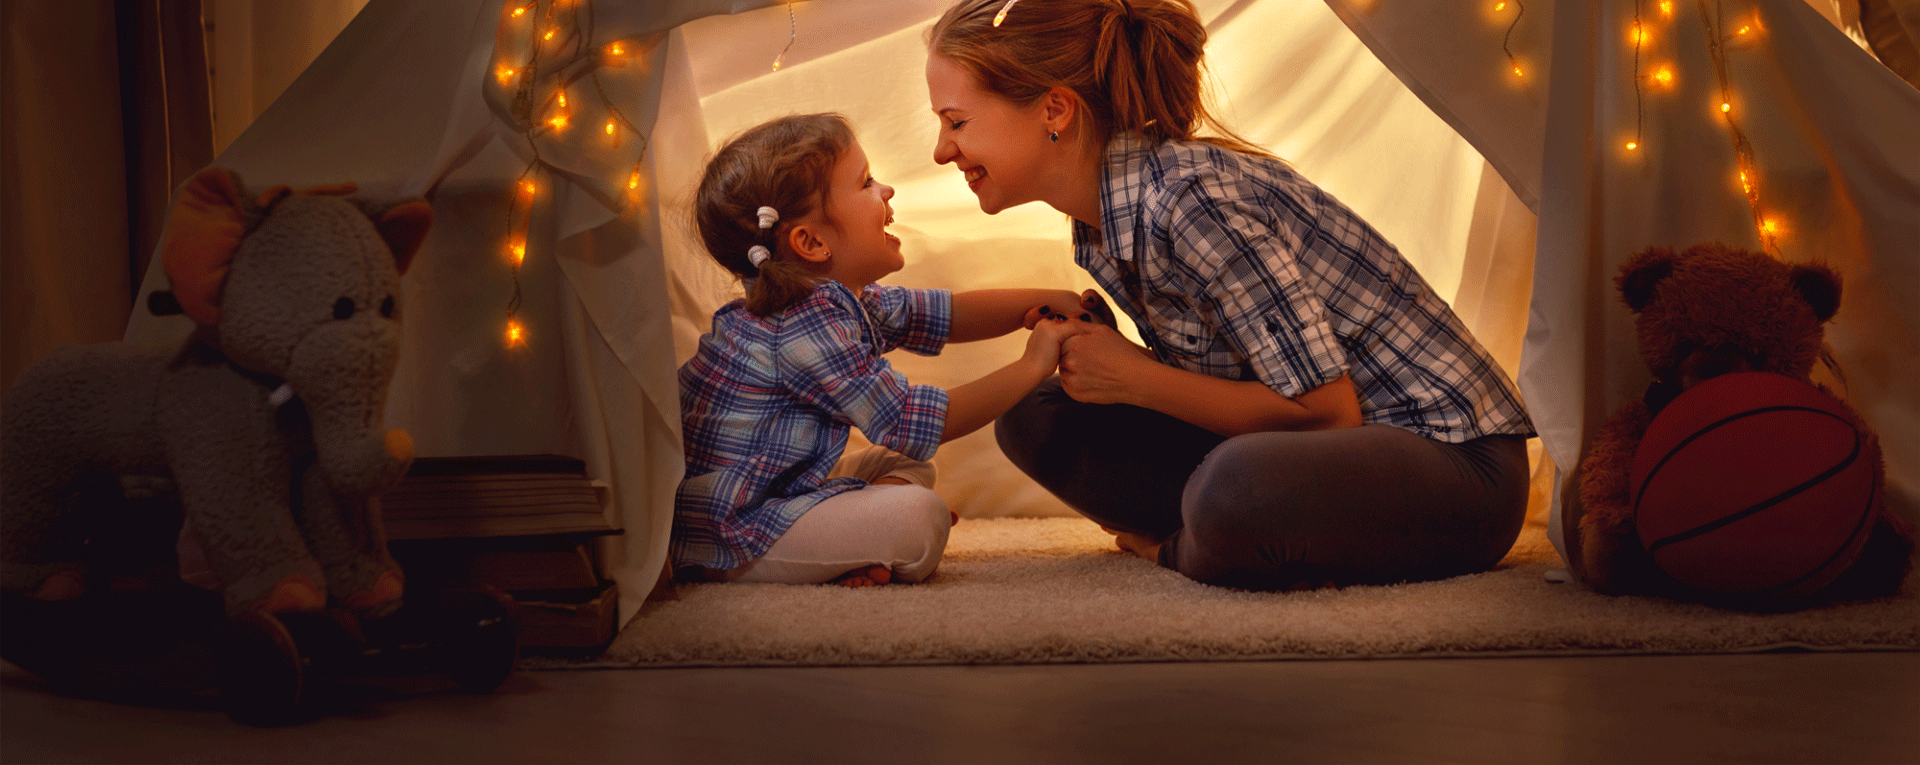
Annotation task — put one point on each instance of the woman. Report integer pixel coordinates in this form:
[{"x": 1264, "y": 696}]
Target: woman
[{"x": 1307, "y": 409}]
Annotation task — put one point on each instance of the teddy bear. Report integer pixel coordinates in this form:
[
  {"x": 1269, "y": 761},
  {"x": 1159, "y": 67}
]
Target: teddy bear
[
  {"x": 266, "y": 423},
  {"x": 1705, "y": 311}
]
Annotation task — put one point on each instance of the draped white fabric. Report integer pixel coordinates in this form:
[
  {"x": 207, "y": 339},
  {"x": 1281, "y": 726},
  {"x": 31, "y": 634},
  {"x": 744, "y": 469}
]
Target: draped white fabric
[
  {"x": 1833, "y": 135},
  {"x": 615, "y": 291}
]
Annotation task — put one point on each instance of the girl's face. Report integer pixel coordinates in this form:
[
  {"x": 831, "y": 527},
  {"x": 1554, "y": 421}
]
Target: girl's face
[
  {"x": 857, "y": 215},
  {"x": 1000, "y": 146}
]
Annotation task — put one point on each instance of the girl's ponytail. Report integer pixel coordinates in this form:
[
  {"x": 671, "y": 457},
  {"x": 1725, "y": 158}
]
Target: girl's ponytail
[{"x": 784, "y": 165}]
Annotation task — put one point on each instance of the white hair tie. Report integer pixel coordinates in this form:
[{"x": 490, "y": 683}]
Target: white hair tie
[
  {"x": 757, "y": 255},
  {"x": 768, "y": 216}
]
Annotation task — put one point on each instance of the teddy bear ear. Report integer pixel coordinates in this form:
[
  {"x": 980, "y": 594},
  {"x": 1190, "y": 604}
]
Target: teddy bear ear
[
  {"x": 1641, "y": 273},
  {"x": 202, "y": 232},
  {"x": 1820, "y": 286},
  {"x": 405, "y": 228}
]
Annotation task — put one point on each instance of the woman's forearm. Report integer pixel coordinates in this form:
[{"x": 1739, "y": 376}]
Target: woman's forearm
[
  {"x": 1236, "y": 407},
  {"x": 981, "y": 314}
]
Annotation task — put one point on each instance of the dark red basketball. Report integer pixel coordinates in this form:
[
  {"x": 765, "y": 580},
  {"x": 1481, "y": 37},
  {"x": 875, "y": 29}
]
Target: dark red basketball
[{"x": 1754, "y": 484}]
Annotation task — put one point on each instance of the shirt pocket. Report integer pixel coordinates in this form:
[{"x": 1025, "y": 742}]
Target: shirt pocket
[{"x": 1183, "y": 334}]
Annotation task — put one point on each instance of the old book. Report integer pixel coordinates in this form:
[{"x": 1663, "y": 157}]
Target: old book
[
  {"x": 572, "y": 619},
  {"x": 514, "y": 564},
  {"x": 495, "y": 495}
]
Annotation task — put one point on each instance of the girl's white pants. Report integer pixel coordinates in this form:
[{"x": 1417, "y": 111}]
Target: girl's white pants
[{"x": 902, "y": 527}]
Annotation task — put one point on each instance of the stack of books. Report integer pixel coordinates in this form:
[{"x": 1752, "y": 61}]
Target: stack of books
[{"x": 524, "y": 524}]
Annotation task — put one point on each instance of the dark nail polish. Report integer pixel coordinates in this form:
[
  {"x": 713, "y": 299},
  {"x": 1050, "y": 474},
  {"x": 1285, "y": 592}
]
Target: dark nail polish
[
  {"x": 1045, "y": 310},
  {"x": 1086, "y": 317}
]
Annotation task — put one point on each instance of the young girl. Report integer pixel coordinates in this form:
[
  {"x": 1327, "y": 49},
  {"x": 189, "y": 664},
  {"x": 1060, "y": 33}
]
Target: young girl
[{"x": 790, "y": 207}]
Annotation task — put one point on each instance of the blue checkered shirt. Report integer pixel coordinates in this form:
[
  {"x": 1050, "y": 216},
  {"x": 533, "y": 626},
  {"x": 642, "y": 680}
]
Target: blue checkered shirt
[
  {"x": 766, "y": 403},
  {"x": 1233, "y": 266}
]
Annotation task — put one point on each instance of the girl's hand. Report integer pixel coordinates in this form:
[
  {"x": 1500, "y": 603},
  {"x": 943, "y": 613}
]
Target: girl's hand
[
  {"x": 1043, "y": 346},
  {"x": 1097, "y": 363}
]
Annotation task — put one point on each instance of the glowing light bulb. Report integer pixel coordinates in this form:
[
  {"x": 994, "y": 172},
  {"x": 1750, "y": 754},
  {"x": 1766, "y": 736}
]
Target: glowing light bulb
[
  {"x": 1725, "y": 107},
  {"x": 1666, "y": 7},
  {"x": 563, "y": 98},
  {"x": 1631, "y": 145},
  {"x": 1664, "y": 76},
  {"x": 633, "y": 181},
  {"x": 559, "y": 122},
  {"x": 615, "y": 49},
  {"x": 1639, "y": 35},
  {"x": 1518, "y": 73},
  {"x": 1743, "y": 30},
  {"x": 609, "y": 127},
  {"x": 505, "y": 74},
  {"x": 1500, "y": 6},
  {"x": 548, "y": 35},
  {"x": 1770, "y": 226},
  {"x": 519, "y": 253},
  {"x": 527, "y": 188},
  {"x": 515, "y": 335},
  {"x": 520, "y": 11}
]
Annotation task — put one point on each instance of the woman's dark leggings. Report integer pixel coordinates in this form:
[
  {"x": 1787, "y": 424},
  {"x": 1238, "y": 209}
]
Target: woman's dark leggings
[{"x": 1272, "y": 511}]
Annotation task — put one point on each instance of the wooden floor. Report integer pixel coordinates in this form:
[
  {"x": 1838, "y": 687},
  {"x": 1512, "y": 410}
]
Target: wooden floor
[{"x": 1829, "y": 708}]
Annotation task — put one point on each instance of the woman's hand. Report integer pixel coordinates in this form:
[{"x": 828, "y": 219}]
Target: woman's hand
[
  {"x": 1089, "y": 303},
  {"x": 1099, "y": 365}
]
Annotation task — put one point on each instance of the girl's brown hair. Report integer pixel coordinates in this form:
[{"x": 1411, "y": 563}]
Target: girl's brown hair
[
  {"x": 784, "y": 164},
  {"x": 1135, "y": 64}
]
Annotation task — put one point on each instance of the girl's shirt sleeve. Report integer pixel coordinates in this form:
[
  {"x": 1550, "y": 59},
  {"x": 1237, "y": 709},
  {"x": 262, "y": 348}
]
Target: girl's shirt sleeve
[
  {"x": 917, "y": 320},
  {"x": 1250, "y": 287},
  {"x": 829, "y": 366}
]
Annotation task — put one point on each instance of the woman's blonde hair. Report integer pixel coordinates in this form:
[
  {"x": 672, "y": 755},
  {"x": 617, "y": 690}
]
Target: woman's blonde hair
[
  {"x": 1135, "y": 64},
  {"x": 785, "y": 164}
]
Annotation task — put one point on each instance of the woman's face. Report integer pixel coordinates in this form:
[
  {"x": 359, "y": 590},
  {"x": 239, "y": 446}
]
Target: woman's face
[{"x": 1000, "y": 147}]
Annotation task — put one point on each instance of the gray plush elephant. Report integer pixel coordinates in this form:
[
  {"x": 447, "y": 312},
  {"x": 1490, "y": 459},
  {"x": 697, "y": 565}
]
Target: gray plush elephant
[{"x": 267, "y": 421}]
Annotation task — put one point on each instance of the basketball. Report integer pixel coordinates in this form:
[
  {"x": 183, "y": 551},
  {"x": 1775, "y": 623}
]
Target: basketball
[{"x": 1754, "y": 485}]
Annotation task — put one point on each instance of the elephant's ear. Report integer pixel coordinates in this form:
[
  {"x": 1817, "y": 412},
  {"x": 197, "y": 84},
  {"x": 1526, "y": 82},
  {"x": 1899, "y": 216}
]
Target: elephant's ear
[
  {"x": 202, "y": 233},
  {"x": 405, "y": 228}
]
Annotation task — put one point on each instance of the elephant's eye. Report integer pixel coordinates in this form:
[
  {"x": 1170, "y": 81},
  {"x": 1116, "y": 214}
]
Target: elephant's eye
[
  {"x": 343, "y": 308},
  {"x": 386, "y": 307}
]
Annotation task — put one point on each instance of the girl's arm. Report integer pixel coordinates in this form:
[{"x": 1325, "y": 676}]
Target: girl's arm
[
  {"x": 1100, "y": 366},
  {"x": 981, "y": 314},
  {"x": 973, "y": 405}
]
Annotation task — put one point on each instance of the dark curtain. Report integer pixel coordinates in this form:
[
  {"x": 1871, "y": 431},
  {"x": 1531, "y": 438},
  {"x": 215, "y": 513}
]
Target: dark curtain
[{"x": 105, "y": 108}]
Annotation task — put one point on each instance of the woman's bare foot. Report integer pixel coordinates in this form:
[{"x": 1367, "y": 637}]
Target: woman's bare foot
[
  {"x": 865, "y": 577},
  {"x": 1139, "y": 544},
  {"x": 63, "y": 585}
]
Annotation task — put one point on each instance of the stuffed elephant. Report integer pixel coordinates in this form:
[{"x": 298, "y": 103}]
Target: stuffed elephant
[{"x": 266, "y": 421}]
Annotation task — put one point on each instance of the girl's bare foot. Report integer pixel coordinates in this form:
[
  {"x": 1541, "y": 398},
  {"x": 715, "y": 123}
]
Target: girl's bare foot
[{"x": 865, "y": 577}]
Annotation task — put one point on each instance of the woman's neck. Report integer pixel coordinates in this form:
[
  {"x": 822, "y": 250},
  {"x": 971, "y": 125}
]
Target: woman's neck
[{"x": 1077, "y": 186}]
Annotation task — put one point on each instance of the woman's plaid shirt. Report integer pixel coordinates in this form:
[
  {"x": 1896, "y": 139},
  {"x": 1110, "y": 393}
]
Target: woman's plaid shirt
[
  {"x": 1233, "y": 266},
  {"x": 766, "y": 403}
]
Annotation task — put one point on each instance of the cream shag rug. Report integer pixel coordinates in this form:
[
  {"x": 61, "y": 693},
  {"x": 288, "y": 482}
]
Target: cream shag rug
[{"x": 1046, "y": 590}]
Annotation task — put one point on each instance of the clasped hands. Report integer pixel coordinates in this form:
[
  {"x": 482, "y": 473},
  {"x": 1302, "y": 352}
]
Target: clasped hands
[{"x": 1083, "y": 342}]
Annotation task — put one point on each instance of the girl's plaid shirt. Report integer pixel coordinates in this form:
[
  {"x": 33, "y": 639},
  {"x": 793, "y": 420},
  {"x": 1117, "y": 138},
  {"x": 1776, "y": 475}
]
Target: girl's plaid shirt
[{"x": 766, "y": 403}]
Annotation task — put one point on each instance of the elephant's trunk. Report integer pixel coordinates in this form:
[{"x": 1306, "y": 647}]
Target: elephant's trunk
[{"x": 341, "y": 371}]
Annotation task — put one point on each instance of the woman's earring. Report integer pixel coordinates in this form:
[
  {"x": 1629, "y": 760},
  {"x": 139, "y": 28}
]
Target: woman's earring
[{"x": 1054, "y": 136}]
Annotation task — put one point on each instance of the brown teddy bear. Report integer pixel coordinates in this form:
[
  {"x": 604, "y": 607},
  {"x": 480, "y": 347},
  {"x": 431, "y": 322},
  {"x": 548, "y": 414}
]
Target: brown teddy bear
[{"x": 1707, "y": 311}]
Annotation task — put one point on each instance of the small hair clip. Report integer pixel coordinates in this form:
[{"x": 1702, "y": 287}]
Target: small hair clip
[
  {"x": 1002, "y": 15},
  {"x": 768, "y": 216},
  {"x": 758, "y": 254}
]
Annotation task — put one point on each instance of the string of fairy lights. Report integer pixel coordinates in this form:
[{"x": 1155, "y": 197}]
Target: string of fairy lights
[
  {"x": 549, "y": 26},
  {"x": 1654, "y": 76}
]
